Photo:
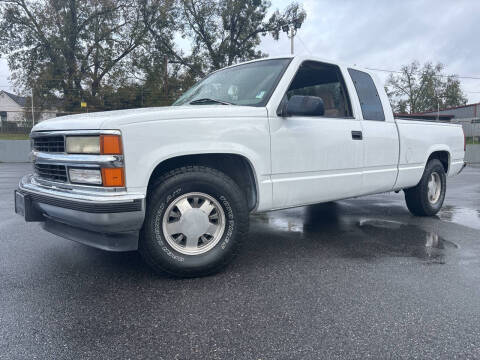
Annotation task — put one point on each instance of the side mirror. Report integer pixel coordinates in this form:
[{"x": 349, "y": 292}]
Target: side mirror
[{"x": 303, "y": 106}]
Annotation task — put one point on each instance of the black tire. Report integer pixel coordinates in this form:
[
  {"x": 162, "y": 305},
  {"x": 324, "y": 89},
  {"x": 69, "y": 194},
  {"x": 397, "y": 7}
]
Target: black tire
[
  {"x": 417, "y": 197},
  {"x": 154, "y": 247}
]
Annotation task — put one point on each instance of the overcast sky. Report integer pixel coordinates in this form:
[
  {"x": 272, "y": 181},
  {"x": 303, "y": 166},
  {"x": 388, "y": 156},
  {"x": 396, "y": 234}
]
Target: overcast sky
[
  {"x": 387, "y": 34},
  {"x": 383, "y": 34}
]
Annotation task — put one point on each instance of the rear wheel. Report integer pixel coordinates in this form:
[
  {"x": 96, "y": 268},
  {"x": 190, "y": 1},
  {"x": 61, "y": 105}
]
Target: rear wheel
[
  {"x": 426, "y": 199},
  {"x": 195, "y": 219}
]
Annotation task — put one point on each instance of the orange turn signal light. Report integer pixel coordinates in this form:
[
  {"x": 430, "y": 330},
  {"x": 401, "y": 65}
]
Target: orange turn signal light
[
  {"x": 113, "y": 177},
  {"x": 110, "y": 145}
]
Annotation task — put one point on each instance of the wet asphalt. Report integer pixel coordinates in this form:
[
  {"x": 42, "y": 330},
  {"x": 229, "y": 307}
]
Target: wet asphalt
[{"x": 360, "y": 278}]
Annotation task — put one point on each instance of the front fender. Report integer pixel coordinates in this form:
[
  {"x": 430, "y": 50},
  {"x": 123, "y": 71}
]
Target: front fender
[{"x": 149, "y": 144}]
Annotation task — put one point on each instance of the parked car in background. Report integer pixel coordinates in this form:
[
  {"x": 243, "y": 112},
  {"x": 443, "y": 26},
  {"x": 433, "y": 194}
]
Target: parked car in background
[{"x": 178, "y": 183}]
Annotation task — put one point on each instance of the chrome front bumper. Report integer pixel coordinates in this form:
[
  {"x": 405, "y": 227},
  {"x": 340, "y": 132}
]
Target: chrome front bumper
[{"x": 109, "y": 221}]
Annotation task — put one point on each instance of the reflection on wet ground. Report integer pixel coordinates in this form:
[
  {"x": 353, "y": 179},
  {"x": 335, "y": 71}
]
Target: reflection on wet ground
[
  {"x": 462, "y": 216},
  {"x": 352, "y": 235},
  {"x": 391, "y": 238}
]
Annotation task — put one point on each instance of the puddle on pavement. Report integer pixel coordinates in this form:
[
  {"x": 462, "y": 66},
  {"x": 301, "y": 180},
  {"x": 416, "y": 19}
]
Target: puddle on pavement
[
  {"x": 309, "y": 219},
  {"x": 352, "y": 236},
  {"x": 463, "y": 216},
  {"x": 392, "y": 238},
  {"x": 286, "y": 224}
]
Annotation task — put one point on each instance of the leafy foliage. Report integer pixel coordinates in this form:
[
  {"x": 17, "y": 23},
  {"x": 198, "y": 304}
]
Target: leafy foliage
[
  {"x": 69, "y": 47},
  {"x": 426, "y": 88},
  {"x": 226, "y": 32},
  {"x": 126, "y": 53}
]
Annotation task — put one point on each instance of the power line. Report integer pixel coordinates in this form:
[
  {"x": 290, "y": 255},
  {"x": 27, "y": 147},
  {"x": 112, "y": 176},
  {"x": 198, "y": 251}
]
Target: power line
[
  {"x": 304, "y": 45},
  {"x": 470, "y": 77},
  {"x": 467, "y": 77},
  {"x": 156, "y": 95}
]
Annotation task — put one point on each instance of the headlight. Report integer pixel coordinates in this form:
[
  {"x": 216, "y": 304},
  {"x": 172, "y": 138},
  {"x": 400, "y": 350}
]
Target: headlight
[
  {"x": 83, "y": 144},
  {"x": 85, "y": 176}
]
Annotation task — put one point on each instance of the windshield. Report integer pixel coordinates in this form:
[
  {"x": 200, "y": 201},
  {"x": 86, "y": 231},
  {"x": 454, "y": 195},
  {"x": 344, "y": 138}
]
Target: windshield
[{"x": 248, "y": 84}]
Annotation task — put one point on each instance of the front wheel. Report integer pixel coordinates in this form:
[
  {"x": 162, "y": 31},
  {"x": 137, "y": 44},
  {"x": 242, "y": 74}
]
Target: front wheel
[
  {"x": 195, "y": 219},
  {"x": 426, "y": 199}
]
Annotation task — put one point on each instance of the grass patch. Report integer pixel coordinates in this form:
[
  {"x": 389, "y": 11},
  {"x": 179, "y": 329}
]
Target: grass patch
[
  {"x": 473, "y": 140},
  {"x": 13, "y": 136}
]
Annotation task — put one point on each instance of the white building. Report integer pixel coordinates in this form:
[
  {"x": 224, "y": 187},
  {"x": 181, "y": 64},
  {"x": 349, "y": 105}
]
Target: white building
[
  {"x": 466, "y": 115},
  {"x": 14, "y": 108}
]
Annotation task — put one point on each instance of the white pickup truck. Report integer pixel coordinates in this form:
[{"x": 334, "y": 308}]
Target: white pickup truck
[{"x": 178, "y": 183}]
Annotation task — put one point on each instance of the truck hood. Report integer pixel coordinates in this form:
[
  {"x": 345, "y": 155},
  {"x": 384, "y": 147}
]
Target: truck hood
[{"x": 118, "y": 118}]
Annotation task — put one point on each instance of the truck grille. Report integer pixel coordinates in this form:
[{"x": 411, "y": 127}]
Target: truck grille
[
  {"x": 49, "y": 144},
  {"x": 51, "y": 172}
]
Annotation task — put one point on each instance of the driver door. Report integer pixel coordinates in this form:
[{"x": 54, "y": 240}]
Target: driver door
[{"x": 317, "y": 158}]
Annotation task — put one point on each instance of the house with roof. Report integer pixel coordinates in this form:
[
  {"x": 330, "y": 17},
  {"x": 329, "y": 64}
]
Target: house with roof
[
  {"x": 466, "y": 115},
  {"x": 15, "y": 110}
]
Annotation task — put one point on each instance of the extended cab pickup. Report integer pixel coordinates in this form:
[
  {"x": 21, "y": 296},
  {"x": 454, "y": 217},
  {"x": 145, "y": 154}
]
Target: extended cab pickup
[{"x": 178, "y": 183}]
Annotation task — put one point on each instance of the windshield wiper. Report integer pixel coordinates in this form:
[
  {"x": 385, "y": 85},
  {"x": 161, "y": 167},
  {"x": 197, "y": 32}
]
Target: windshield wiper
[{"x": 209, "y": 100}]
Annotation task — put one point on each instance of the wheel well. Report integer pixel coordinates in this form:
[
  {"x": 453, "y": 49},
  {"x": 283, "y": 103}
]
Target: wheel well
[
  {"x": 235, "y": 166},
  {"x": 443, "y": 156}
]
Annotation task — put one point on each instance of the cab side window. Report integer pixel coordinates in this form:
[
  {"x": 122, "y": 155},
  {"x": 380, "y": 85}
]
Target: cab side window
[
  {"x": 326, "y": 82},
  {"x": 370, "y": 102}
]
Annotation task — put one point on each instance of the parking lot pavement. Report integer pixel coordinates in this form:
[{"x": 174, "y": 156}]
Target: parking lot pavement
[{"x": 351, "y": 279}]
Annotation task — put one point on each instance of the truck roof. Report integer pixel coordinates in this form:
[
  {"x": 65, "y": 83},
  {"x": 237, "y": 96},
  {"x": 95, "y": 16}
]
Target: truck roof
[{"x": 301, "y": 58}]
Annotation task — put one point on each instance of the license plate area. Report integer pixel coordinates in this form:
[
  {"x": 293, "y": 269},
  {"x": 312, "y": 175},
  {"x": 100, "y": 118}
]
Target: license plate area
[
  {"x": 25, "y": 208},
  {"x": 19, "y": 203}
]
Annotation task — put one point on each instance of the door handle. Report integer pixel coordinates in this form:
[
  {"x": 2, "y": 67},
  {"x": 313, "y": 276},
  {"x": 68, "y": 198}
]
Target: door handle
[{"x": 357, "y": 135}]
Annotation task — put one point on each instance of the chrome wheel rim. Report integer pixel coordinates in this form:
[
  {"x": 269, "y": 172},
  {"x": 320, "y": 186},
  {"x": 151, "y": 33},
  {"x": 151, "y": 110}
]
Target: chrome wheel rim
[
  {"x": 193, "y": 223},
  {"x": 434, "y": 187}
]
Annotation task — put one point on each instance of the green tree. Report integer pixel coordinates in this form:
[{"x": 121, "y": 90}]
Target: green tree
[
  {"x": 69, "y": 48},
  {"x": 125, "y": 53},
  {"x": 222, "y": 32},
  {"x": 423, "y": 88}
]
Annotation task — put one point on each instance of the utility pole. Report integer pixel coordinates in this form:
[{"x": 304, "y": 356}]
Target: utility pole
[
  {"x": 33, "y": 113},
  {"x": 291, "y": 29},
  {"x": 165, "y": 75},
  {"x": 292, "y": 37},
  {"x": 437, "y": 95}
]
